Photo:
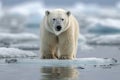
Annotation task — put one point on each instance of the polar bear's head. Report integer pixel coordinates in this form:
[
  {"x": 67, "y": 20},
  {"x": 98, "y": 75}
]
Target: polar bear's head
[{"x": 57, "y": 20}]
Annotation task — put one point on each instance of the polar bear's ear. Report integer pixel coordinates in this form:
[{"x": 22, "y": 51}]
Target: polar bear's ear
[
  {"x": 68, "y": 13},
  {"x": 47, "y": 12}
]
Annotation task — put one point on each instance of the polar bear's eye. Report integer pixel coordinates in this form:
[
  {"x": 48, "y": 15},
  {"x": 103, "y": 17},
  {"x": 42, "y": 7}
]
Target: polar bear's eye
[
  {"x": 62, "y": 19},
  {"x": 54, "y": 19}
]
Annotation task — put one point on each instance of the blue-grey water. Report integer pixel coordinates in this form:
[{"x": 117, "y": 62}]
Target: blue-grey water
[{"x": 16, "y": 71}]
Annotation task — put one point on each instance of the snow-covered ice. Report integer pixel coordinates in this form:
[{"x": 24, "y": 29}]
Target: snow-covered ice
[
  {"x": 26, "y": 46},
  {"x": 113, "y": 39},
  {"x": 10, "y": 38},
  {"x": 76, "y": 62},
  {"x": 18, "y": 37},
  {"x": 15, "y": 53}
]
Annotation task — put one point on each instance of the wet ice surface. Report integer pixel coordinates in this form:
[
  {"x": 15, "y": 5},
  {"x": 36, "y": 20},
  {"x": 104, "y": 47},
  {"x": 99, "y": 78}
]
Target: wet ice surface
[{"x": 35, "y": 71}]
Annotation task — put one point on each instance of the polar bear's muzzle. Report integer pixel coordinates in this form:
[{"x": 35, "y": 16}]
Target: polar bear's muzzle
[{"x": 58, "y": 28}]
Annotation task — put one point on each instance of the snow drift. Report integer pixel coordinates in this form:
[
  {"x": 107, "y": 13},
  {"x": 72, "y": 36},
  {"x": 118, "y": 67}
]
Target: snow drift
[
  {"x": 7, "y": 39},
  {"x": 15, "y": 53}
]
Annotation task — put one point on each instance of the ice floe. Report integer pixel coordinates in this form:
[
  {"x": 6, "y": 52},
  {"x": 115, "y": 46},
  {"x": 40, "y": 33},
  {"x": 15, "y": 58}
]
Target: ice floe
[
  {"x": 54, "y": 62},
  {"x": 26, "y": 46},
  {"x": 15, "y": 53},
  {"x": 113, "y": 39},
  {"x": 9, "y": 38}
]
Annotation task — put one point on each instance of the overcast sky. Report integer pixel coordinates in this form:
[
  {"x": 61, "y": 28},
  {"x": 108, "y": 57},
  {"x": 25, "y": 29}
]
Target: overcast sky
[{"x": 11, "y": 3}]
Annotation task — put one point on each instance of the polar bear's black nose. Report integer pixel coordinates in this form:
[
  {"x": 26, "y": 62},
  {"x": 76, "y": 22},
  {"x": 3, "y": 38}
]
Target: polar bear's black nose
[{"x": 58, "y": 28}]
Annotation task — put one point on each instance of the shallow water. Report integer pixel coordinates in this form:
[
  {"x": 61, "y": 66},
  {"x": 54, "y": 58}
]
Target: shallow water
[
  {"x": 16, "y": 71},
  {"x": 32, "y": 72}
]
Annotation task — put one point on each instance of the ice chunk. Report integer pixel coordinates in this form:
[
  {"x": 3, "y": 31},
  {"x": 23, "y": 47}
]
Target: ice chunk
[
  {"x": 26, "y": 46},
  {"x": 15, "y": 53},
  {"x": 9, "y": 38},
  {"x": 113, "y": 39},
  {"x": 11, "y": 60}
]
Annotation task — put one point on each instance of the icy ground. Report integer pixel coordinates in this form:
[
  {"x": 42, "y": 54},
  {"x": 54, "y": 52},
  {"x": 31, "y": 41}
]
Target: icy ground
[{"x": 104, "y": 66}]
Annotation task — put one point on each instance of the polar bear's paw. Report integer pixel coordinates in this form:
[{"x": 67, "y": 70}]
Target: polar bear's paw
[
  {"x": 65, "y": 57},
  {"x": 48, "y": 56}
]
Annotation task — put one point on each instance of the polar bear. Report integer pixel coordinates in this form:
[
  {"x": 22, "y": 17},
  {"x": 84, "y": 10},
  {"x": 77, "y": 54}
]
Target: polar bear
[{"x": 59, "y": 35}]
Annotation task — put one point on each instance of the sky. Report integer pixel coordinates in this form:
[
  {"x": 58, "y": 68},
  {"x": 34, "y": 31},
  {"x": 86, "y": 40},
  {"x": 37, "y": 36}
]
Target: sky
[
  {"x": 61, "y": 3},
  {"x": 94, "y": 14}
]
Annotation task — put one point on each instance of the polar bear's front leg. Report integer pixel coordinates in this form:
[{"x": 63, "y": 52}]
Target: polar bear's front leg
[
  {"x": 67, "y": 48},
  {"x": 47, "y": 52},
  {"x": 66, "y": 51},
  {"x": 48, "y": 46}
]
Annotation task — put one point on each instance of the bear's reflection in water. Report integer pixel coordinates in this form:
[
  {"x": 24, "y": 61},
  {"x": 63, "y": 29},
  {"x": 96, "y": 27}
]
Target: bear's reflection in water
[{"x": 59, "y": 73}]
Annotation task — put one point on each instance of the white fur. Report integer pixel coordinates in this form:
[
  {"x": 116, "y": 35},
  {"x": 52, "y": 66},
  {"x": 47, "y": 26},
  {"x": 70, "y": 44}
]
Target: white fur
[{"x": 65, "y": 40}]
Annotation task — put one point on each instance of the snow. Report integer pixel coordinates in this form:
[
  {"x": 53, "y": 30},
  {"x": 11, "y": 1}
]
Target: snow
[
  {"x": 18, "y": 36},
  {"x": 10, "y": 38},
  {"x": 15, "y": 53}
]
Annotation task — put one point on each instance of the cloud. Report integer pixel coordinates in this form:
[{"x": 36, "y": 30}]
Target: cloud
[
  {"x": 100, "y": 25},
  {"x": 1, "y": 12},
  {"x": 96, "y": 10},
  {"x": 28, "y": 8},
  {"x": 88, "y": 9},
  {"x": 97, "y": 17},
  {"x": 118, "y": 5},
  {"x": 89, "y": 15}
]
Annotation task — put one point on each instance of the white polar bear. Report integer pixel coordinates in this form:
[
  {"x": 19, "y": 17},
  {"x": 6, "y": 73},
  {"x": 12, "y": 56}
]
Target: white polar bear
[{"x": 59, "y": 35}]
